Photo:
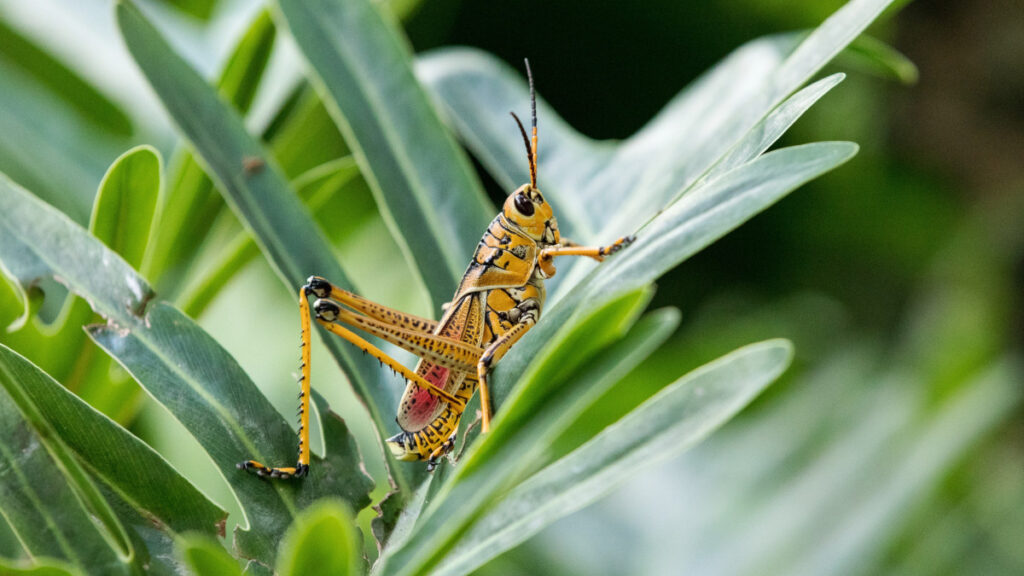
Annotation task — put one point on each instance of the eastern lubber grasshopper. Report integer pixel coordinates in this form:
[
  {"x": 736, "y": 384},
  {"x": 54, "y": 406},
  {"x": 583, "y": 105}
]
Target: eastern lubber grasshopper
[{"x": 498, "y": 300}]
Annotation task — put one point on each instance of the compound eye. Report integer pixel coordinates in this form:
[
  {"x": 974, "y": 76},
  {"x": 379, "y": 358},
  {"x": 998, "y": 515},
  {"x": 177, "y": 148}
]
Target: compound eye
[{"x": 524, "y": 205}]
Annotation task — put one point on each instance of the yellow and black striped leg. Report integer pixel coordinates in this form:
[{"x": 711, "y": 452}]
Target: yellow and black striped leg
[
  {"x": 382, "y": 317},
  {"x": 570, "y": 248},
  {"x": 495, "y": 352},
  {"x": 325, "y": 310},
  {"x": 302, "y": 467},
  {"x": 321, "y": 288},
  {"x": 434, "y": 348}
]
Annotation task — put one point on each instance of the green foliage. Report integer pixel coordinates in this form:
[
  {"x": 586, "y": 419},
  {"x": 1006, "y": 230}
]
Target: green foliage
[
  {"x": 322, "y": 539},
  {"x": 83, "y": 495},
  {"x": 125, "y": 203},
  {"x": 681, "y": 415},
  {"x": 421, "y": 179},
  {"x": 206, "y": 557}
]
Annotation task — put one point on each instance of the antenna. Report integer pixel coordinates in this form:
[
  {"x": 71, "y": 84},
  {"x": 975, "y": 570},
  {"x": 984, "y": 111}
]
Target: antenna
[
  {"x": 529, "y": 151},
  {"x": 533, "y": 115},
  {"x": 530, "y": 148}
]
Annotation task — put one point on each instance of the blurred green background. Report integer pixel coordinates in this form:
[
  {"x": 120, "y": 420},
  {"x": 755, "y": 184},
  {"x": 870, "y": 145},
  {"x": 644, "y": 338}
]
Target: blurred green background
[{"x": 894, "y": 445}]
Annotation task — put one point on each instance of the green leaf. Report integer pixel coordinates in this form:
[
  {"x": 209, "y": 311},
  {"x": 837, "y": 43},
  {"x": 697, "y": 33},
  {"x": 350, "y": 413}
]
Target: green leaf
[
  {"x": 191, "y": 204},
  {"x": 47, "y": 497},
  {"x": 41, "y": 133},
  {"x": 129, "y": 466},
  {"x": 666, "y": 425},
  {"x": 76, "y": 93},
  {"x": 183, "y": 368},
  {"x": 206, "y": 557},
  {"x": 323, "y": 540},
  {"x": 302, "y": 135},
  {"x": 261, "y": 197},
  {"x": 873, "y": 55},
  {"x": 710, "y": 211},
  {"x": 766, "y": 132},
  {"x": 423, "y": 183},
  {"x": 37, "y": 242},
  {"x": 124, "y": 206}
]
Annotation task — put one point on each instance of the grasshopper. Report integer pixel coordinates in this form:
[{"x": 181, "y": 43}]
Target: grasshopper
[{"x": 498, "y": 300}]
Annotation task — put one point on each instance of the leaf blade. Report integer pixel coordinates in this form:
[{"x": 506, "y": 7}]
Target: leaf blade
[
  {"x": 293, "y": 244},
  {"x": 48, "y": 499},
  {"x": 206, "y": 557},
  {"x": 322, "y": 540},
  {"x": 710, "y": 395},
  {"x": 191, "y": 203},
  {"x": 127, "y": 464},
  {"x": 424, "y": 184},
  {"x": 124, "y": 206}
]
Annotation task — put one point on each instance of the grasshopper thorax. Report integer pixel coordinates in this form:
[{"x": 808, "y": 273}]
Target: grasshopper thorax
[{"x": 526, "y": 209}]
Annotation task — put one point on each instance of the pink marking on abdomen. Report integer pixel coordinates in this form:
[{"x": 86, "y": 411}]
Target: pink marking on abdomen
[
  {"x": 422, "y": 402},
  {"x": 422, "y": 405}
]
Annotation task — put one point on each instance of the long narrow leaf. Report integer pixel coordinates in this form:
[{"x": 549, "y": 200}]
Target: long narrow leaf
[
  {"x": 666, "y": 425},
  {"x": 140, "y": 475},
  {"x": 45, "y": 494},
  {"x": 191, "y": 204},
  {"x": 322, "y": 540},
  {"x": 89, "y": 103},
  {"x": 50, "y": 148},
  {"x": 259, "y": 194},
  {"x": 766, "y": 132},
  {"x": 709, "y": 212},
  {"x": 125, "y": 203},
  {"x": 423, "y": 182}
]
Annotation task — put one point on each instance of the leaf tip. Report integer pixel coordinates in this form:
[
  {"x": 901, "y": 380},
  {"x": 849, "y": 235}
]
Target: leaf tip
[{"x": 781, "y": 352}]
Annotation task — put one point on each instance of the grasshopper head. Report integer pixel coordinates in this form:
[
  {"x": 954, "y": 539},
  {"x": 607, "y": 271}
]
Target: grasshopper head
[{"x": 526, "y": 209}]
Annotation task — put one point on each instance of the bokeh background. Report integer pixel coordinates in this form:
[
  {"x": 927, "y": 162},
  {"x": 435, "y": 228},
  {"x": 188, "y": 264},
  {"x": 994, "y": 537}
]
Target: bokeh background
[{"x": 894, "y": 444}]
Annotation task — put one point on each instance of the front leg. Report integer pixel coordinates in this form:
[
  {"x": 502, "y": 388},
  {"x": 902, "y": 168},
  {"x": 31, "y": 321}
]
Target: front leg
[
  {"x": 570, "y": 248},
  {"x": 495, "y": 352}
]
